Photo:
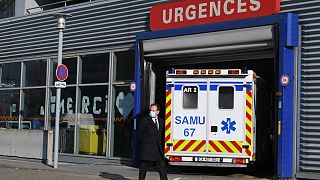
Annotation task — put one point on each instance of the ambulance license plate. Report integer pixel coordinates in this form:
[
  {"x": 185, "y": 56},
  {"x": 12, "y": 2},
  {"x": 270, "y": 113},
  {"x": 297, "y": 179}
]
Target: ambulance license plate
[{"x": 207, "y": 159}]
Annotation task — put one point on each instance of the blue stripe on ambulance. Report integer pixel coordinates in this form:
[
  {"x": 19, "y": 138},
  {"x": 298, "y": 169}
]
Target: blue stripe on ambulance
[
  {"x": 179, "y": 87},
  {"x": 203, "y": 85}
]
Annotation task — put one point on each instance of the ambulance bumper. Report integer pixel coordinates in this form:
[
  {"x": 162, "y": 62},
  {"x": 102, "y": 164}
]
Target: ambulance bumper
[{"x": 207, "y": 164}]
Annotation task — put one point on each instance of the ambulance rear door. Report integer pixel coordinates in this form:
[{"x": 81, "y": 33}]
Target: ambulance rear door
[
  {"x": 189, "y": 116},
  {"x": 226, "y": 117}
]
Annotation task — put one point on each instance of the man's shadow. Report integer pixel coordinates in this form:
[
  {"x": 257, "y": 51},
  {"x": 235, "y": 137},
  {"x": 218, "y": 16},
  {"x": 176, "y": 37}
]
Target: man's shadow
[{"x": 112, "y": 176}]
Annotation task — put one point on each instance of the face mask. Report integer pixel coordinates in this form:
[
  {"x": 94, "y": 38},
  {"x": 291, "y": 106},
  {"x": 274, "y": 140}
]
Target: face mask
[{"x": 153, "y": 114}]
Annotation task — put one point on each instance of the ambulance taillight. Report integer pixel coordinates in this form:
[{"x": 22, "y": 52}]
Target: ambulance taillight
[
  {"x": 210, "y": 71},
  {"x": 240, "y": 161},
  {"x": 175, "y": 158},
  {"x": 196, "y": 72},
  {"x": 203, "y": 71},
  {"x": 218, "y": 72}
]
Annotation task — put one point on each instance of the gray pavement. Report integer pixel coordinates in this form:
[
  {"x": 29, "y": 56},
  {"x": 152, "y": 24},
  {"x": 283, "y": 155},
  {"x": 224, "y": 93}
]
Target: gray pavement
[{"x": 12, "y": 169}]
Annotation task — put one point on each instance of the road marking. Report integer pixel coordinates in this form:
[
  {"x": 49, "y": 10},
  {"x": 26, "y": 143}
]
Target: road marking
[{"x": 177, "y": 178}]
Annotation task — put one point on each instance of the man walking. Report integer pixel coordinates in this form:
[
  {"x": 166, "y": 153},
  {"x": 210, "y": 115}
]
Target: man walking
[{"x": 151, "y": 151}]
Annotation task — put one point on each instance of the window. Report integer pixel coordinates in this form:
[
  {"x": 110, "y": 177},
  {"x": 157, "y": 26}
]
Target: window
[
  {"x": 71, "y": 64},
  {"x": 190, "y": 97},
  {"x": 226, "y": 97},
  {"x": 67, "y": 118},
  {"x": 93, "y": 120},
  {"x": 124, "y": 66},
  {"x": 122, "y": 121},
  {"x": 95, "y": 68},
  {"x": 9, "y": 109},
  {"x": 10, "y": 75},
  {"x": 33, "y": 108},
  {"x": 35, "y": 73},
  {"x": 7, "y": 8}
]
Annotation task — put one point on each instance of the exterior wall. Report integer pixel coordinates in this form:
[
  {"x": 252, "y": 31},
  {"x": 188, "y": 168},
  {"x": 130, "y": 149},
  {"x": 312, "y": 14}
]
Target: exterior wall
[
  {"x": 101, "y": 25},
  {"x": 95, "y": 25},
  {"x": 22, "y": 5},
  {"x": 26, "y": 143},
  {"x": 308, "y": 135}
]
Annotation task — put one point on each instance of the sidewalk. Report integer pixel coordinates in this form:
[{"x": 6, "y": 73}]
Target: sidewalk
[{"x": 107, "y": 171}]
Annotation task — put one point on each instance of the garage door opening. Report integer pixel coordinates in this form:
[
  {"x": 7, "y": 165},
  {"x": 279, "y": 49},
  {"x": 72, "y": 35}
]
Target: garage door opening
[
  {"x": 250, "y": 49},
  {"x": 264, "y": 45},
  {"x": 266, "y": 126}
]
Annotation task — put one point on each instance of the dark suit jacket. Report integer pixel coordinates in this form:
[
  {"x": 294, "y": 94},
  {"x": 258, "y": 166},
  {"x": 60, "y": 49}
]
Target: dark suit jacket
[{"x": 150, "y": 139}]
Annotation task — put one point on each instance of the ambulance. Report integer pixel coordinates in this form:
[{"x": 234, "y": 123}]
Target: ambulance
[{"x": 211, "y": 117}]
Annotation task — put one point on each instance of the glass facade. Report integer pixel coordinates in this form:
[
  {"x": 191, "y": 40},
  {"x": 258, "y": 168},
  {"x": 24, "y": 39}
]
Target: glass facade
[
  {"x": 9, "y": 109},
  {"x": 33, "y": 107},
  {"x": 10, "y": 75},
  {"x": 96, "y": 106},
  {"x": 7, "y": 8}
]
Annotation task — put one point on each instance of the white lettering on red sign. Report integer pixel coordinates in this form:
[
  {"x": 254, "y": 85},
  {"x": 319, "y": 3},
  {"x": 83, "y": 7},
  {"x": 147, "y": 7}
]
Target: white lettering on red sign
[{"x": 194, "y": 12}]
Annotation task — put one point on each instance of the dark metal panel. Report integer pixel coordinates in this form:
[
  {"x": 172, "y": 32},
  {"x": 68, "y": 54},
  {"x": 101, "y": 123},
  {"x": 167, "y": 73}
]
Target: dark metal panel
[
  {"x": 99, "y": 24},
  {"x": 309, "y": 125}
]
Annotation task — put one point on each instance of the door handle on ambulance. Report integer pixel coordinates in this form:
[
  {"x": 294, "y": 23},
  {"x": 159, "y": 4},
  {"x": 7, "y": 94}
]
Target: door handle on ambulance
[
  {"x": 169, "y": 144},
  {"x": 214, "y": 128}
]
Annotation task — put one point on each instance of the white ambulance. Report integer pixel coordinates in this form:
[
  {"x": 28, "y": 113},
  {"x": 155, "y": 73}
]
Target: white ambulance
[{"x": 210, "y": 117}]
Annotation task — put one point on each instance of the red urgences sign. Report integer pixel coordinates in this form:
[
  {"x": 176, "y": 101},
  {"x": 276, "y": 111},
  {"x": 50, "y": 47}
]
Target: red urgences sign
[{"x": 196, "y": 12}]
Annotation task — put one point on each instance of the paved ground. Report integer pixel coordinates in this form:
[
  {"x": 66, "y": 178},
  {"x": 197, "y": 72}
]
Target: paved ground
[{"x": 12, "y": 169}]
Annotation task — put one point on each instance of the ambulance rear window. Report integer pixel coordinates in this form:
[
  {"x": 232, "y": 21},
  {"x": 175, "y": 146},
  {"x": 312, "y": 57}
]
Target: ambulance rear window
[
  {"x": 190, "y": 97},
  {"x": 226, "y": 97}
]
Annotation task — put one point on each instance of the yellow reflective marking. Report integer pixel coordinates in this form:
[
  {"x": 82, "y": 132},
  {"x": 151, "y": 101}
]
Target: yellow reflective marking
[
  {"x": 220, "y": 146},
  {"x": 234, "y": 149},
  {"x": 194, "y": 145},
  {"x": 249, "y": 99},
  {"x": 168, "y": 109},
  {"x": 168, "y": 131},
  {"x": 168, "y": 97},
  {"x": 182, "y": 145},
  {"x": 249, "y": 111},
  {"x": 203, "y": 148},
  {"x": 168, "y": 120},
  {"x": 211, "y": 149}
]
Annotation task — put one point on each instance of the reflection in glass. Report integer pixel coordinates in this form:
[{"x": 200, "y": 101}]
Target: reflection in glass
[
  {"x": 33, "y": 107},
  {"x": 67, "y": 117},
  {"x": 10, "y": 75},
  {"x": 71, "y": 64},
  {"x": 9, "y": 109},
  {"x": 95, "y": 68},
  {"x": 123, "y": 121},
  {"x": 7, "y": 8},
  {"x": 92, "y": 120},
  {"x": 36, "y": 73},
  {"x": 125, "y": 66}
]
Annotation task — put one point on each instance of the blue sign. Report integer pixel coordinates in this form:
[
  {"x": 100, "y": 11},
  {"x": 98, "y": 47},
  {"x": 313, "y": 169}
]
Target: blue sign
[
  {"x": 62, "y": 72},
  {"x": 228, "y": 126}
]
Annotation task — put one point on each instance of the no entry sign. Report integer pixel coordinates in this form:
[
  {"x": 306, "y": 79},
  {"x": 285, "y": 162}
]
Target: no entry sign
[{"x": 62, "y": 72}]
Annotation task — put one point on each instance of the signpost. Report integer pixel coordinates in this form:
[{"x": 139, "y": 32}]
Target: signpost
[{"x": 62, "y": 74}]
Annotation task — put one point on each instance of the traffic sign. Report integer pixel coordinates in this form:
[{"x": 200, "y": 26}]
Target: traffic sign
[
  {"x": 133, "y": 86},
  {"x": 285, "y": 80},
  {"x": 59, "y": 84},
  {"x": 62, "y": 72}
]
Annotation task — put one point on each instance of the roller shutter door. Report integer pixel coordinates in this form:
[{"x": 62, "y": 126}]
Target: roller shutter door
[{"x": 240, "y": 44}]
